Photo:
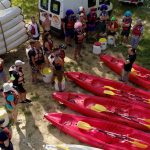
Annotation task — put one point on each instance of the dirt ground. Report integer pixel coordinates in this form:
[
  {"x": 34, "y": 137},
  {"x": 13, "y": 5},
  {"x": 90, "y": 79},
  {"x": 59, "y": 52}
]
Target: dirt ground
[{"x": 32, "y": 131}]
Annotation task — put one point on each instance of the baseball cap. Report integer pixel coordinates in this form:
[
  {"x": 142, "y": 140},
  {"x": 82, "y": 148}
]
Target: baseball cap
[
  {"x": 19, "y": 63},
  {"x": 7, "y": 87}
]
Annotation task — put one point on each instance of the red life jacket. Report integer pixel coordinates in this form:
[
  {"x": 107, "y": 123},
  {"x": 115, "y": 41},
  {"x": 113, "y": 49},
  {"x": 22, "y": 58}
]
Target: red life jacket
[
  {"x": 137, "y": 30},
  {"x": 92, "y": 18},
  {"x": 21, "y": 77},
  {"x": 33, "y": 29},
  {"x": 127, "y": 21},
  {"x": 80, "y": 37},
  {"x": 39, "y": 55},
  {"x": 70, "y": 24},
  {"x": 7, "y": 132},
  {"x": 12, "y": 93}
]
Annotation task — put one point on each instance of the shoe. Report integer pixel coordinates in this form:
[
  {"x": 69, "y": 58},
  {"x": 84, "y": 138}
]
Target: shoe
[
  {"x": 23, "y": 102},
  {"x": 28, "y": 101}
]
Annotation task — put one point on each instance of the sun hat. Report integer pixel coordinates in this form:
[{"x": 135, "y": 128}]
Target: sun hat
[
  {"x": 128, "y": 13},
  {"x": 19, "y": 63},
  {"x": 69, "y": 12},
  {"x": 7, "y": 87},
  {"x": 113, "y": 18},
  {"x": 80, "y": 9}
]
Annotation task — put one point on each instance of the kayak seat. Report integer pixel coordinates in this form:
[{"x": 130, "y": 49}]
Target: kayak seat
[
  {"x": 83, "y": 125},
  {"x": 98, "y": 108}
]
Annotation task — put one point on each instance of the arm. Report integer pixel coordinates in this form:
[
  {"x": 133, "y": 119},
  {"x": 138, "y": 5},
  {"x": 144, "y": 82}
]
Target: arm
[{"x": 6, "y": 143}]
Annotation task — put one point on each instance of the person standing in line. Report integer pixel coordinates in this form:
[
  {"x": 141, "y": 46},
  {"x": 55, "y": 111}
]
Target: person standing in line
[
  {"x": 137, "y": 33},
  {"x": 46, "y": 24},
  {"x": 68, "y": 26},
  {"x": 36, "y": 59},
  {"x": 112, "y": 29},
  {"x": 11, "y": 97},
  {"x": 17, "y": 78},
  {"x": 47, "y": 46},
  {"x": 5, "y": 137},
  {"x": 34, "y": 29},
  {"x": 2, "y": 73},
  {"x": 126, "y": 27},
  {"x": 79, "y": 38},
  {"x": 128, "y": 64}
]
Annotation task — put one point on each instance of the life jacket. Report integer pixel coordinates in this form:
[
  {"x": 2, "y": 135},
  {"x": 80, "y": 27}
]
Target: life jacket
[
  {"x": 7, "y": 132},
  {"x": 50, "y": 43},
  {"x": 113, "y": 25},
  {"x": 39, "y": 55},
  {"x": 127, "y": 21},
  {"x": 20, "y": 74},
  {"x": 70, "y": 23},
  {"x": 137, "y": 30},
  {"x": 21, "y": 77},
  {"x": 6, "y": 94},
  {"x": 33, "y": 29},
  {"x": 92, "y": 18}
]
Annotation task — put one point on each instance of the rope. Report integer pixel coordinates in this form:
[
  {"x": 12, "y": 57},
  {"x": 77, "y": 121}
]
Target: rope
[
  {"x": 3, "y": 5},
  {"x": 3, "y": 36}
]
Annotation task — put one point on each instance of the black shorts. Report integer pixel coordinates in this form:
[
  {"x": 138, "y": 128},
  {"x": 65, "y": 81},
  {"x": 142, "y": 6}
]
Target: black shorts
[
  {"x": 125, "y": 33},
  {"x": 111, "y": 33},
  {"x": 19, "y": 88}
]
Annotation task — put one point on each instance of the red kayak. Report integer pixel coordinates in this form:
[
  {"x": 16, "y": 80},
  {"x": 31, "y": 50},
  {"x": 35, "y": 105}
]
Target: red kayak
[
  {"x": 108, "y": 109},
  {"x": 138, "y": 75},
  {"x": 100, "y": 133},
  {"x": 110, "y": 88}
]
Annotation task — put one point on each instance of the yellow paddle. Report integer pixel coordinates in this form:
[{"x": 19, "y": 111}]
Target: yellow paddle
[
  {"x": 61, "y": 147},
  {"x": 101, "y": 108},
  {"x": 86, "y": 126},
  {"x": 111, "y": 88}
]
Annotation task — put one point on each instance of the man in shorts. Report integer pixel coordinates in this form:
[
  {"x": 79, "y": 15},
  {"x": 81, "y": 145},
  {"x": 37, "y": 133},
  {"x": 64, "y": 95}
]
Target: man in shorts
[
  {"x": 17, "y": 78},
  {"x": 126, "y": 27}
]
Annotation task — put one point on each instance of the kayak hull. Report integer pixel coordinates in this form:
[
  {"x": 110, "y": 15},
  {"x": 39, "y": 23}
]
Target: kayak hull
[
  {"x": 98, "y": 135},
  {"x": 140, "y": 75},
  {"x": 122, "y": 91},
  {"x": 83, "y": 104}
]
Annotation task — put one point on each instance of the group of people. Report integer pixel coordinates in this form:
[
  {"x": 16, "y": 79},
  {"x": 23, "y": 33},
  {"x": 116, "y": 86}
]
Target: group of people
[{"x": 41, "y": 54}]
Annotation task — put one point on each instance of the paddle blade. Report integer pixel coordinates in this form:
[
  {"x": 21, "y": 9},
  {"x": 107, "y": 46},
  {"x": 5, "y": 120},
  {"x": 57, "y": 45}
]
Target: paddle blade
[
  {"x": 148, "y": 101},
  {"x": 83, "y": 125},
  {"x": 99, "y": 108},
  {"x": 139, "y": 144},
  {"x": 109, "y": 92},
  {"x": 60, "y": 147},
  {"x": 147, "y": 120},
  {"x": 109, "y": 87},
  {"x": 147, "y": 125}
]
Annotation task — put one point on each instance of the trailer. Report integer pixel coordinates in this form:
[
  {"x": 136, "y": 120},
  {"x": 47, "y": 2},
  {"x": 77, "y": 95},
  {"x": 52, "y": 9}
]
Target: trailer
[{"x": 57, "y": 9}]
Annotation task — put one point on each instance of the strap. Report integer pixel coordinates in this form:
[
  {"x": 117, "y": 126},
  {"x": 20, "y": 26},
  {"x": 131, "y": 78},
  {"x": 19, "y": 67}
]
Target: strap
[
  {"x": 3, "y": 4},
  {"x": 3, "y": 36}
]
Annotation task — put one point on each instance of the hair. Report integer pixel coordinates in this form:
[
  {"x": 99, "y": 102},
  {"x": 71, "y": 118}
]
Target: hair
[
  {"x": 45, "y": 38},
  {"x": 133, "y": 50}
]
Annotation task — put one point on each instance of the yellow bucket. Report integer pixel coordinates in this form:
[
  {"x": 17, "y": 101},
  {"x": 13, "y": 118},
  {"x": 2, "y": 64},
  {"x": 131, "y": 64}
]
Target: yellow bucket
[
  {"x": 102, "y": 40},
  {"x": 46, "y": 71}
]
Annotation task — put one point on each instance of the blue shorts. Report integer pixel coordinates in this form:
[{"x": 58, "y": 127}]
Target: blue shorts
[
  {"x": 69, "y": 33},
  {"x": 2, "y": 76},
  {"x": 91, "y": 27}
]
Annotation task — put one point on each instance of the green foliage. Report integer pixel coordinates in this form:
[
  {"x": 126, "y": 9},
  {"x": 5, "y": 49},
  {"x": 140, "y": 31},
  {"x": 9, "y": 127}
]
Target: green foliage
[{"x": 29, "y": 7}]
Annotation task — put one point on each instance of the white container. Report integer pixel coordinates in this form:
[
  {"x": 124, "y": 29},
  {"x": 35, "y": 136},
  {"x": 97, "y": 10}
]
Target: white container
[
  {"x": 110, "y": 40},
  {"x": 47, "y": 75},
  {"x": 103, "y": 42},
  {"x": 63, "y": 83},
  {"x": 4, "y": 115},
  {"x": 97, "y": 48}
]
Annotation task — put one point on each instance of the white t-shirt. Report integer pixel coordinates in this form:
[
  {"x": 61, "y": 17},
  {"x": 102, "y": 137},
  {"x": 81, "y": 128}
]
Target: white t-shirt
[{"x": 36, "y": 29}]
